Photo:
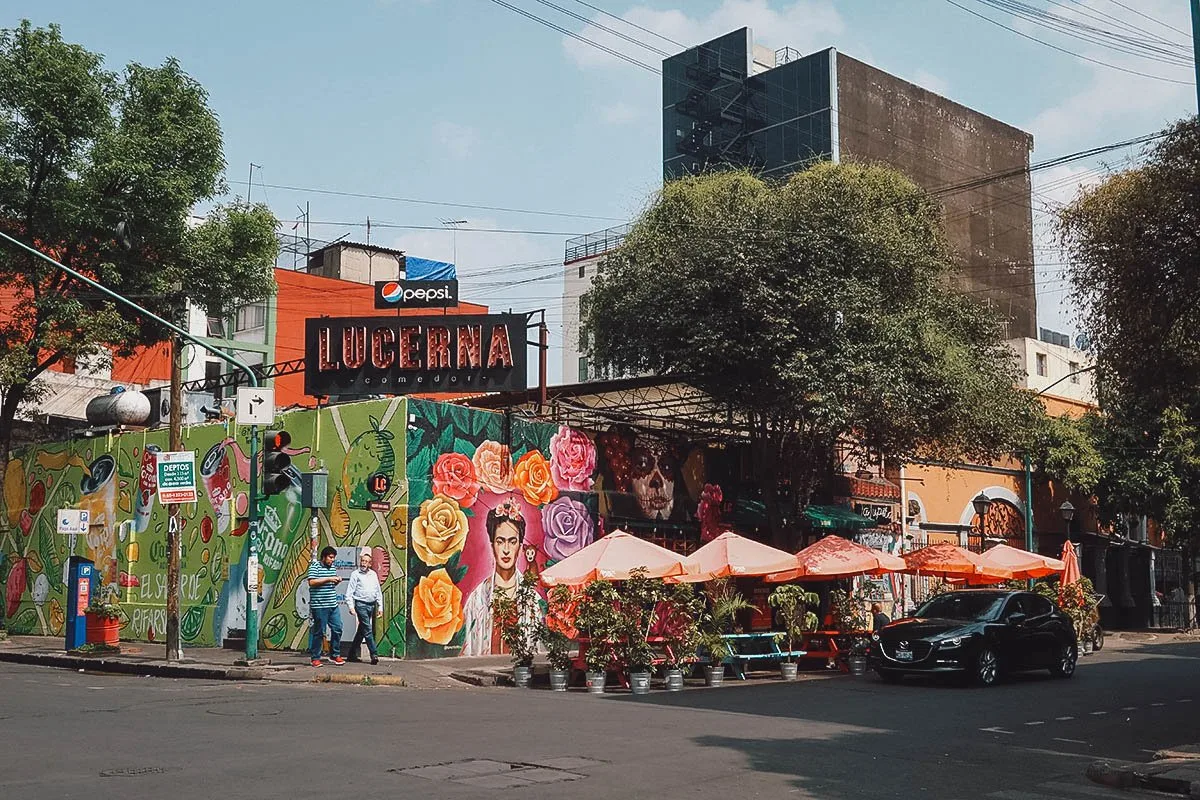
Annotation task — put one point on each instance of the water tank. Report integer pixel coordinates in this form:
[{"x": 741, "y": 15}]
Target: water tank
[{"x": 119, "y": 408}]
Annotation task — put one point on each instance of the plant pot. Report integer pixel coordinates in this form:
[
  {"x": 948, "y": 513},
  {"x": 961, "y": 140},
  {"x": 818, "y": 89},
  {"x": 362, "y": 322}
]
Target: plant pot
[
  {"x": 639, "y": 682},
  {"x": 595, "y": 682},
  {"x": 674, "y": 680},
  {"x": 1088, "y": 643},
  {"x": 714, "y": 676},
  {"x": 787, "y": 670},
  {"x": 559, "y": 679},
  {"x": 522, "y": 676},
  {"x": 858, "y": 665},
  {"x": 102, "y": 630}
]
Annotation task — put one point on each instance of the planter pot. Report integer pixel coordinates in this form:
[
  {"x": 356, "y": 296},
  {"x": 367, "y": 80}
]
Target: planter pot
[
  {"x": 858, "y": 665},
  {"x": 102, "y": 630},
  {"x": 674, "y": 680},
  {"x": 639, "y": 682},
  {"x": 558, "y": 679},
  {"x": 522, "y": 676},
  {"x": 787, "y": 670},
  {"x": 1087, "y": 643},
  {"x": 714, "y": 676},
  {"x": 595, "y": 682}
]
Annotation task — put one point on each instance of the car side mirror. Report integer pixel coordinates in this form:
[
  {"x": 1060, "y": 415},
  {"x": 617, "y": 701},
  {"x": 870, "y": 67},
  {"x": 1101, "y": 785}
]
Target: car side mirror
[{"x": 1016, "y": 618}]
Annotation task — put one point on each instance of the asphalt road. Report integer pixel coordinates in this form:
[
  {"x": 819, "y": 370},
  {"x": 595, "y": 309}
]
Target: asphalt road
[{"x": 67, "y": 734}]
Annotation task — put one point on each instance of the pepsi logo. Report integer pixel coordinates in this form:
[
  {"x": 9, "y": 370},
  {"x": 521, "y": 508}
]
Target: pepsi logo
[{"x": 392, "y": 291}]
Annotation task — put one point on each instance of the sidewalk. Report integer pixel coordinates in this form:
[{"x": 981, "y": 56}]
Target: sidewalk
[
  {"x": 1175, "y": 770},
  {"x": 212, "y": 663}
]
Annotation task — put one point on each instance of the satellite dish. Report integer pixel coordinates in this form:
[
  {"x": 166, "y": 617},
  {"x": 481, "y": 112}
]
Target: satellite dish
[{"x": 1083, "y": 342}]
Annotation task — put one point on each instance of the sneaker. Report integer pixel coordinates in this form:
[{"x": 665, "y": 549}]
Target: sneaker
[
  {"x": 374, "y": 659},
  {"x": 338, "y": 660},
  {"x": 316, "y": 662}
]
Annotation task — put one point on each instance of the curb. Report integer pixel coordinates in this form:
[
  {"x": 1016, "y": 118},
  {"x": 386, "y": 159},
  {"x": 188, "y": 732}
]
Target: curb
[
  {"x": 361, "y": 679},
  {"x": 1177, "y": 777},
  {"x": 132, "y": 668}
]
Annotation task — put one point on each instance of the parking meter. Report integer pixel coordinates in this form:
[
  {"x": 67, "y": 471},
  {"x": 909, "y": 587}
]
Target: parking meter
[{"x": 80, "y": 577}]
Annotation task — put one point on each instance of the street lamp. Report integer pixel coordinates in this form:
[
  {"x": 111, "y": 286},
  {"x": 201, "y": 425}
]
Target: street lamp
[
  {"x": 982, "y": 504},
  {"x": 1068, "y": 513}
]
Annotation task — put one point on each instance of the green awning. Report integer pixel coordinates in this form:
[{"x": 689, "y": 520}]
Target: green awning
[{"x": 836, "y": 518}]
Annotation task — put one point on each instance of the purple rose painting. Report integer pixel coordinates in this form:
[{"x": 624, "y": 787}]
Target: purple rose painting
[{"x": 567, "y": 528}]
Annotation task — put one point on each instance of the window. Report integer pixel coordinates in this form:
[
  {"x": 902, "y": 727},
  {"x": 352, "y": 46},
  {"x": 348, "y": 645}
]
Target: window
[
  {"x": 583, "y": 368},
  {"x": 583, "y": 270},
  {"x": 1038, "y": 606},
  {"x": 250, "y": 317},
  {"x": 212, "y": 374},
  {"x": 1042, "y": 371},
  {"x": 1074, "y": 365}
]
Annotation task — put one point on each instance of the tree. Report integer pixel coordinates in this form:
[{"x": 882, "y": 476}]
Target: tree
[
  {"x": 820, "y": 310},
  {"x": 102, "y": 172}
]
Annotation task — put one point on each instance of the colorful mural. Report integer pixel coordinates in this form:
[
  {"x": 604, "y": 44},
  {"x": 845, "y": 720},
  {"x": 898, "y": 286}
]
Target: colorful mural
[
  {"x": 115, "y": 479},
  {"x": 490, "y": 496}
]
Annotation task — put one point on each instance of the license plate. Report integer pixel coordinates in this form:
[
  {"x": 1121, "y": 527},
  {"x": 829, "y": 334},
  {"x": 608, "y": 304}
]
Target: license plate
[{"x": 904, "y": 655}]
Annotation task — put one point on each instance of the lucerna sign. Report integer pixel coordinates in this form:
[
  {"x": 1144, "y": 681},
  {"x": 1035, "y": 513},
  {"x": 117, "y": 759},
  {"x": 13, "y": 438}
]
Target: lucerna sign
[{"x": 398, "y": 355}]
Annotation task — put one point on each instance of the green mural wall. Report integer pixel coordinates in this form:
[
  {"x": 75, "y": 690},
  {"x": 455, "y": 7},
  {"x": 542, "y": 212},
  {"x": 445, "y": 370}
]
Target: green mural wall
[{"x": 114, "y": 479}]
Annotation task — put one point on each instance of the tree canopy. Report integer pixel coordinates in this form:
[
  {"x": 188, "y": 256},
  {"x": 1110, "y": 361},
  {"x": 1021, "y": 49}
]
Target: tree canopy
[
  {"x": 821, "y": 308},
  {"x": 102, "y": 171}
]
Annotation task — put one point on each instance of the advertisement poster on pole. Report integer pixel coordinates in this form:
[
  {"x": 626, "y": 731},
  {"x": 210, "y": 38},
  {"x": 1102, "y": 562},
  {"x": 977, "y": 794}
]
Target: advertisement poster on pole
[{"x": 177, "y": 477}]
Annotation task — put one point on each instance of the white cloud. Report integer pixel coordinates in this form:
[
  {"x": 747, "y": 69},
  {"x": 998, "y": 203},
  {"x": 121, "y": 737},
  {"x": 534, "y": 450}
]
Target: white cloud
[
  {"x": 456, "y": 140},
  {"x": 619, "y": 113},
  {"x": 927, "y": 80},
  {"x": 805, "y": 25}
]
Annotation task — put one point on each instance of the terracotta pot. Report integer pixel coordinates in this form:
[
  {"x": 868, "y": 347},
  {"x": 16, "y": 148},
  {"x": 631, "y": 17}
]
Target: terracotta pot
[{"x": 102, "y": 630}]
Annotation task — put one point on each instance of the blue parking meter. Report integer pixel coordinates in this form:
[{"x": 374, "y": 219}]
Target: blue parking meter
[{"x": 81, "y": 575}]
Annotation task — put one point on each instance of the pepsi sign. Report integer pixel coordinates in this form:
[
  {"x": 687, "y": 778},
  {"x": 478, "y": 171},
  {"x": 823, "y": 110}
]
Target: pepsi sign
[{"x": 416, "y": 294}]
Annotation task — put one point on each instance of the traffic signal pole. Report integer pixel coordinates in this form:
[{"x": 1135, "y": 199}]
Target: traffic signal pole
[
  {"x": 1196, "y": 46},
  {"x": 251, "y": 378}
]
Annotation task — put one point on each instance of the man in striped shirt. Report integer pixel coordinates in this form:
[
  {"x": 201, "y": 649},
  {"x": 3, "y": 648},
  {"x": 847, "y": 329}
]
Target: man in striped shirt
[{"x": 323, "y": 605}]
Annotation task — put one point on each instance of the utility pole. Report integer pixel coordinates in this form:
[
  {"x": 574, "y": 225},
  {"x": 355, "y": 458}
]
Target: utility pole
[
  {"x": 174, "y": 650},
  {"x": 1196, "y": 46}
]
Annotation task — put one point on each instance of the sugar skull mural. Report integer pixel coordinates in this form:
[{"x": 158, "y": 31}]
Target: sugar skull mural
[{"x": 646, "y": 476}]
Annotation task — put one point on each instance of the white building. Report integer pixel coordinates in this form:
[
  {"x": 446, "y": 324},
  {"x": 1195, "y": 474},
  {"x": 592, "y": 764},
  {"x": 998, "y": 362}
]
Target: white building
[
  {"x": 584, "y": 259},
  {"x": 1052, "y": 366}
]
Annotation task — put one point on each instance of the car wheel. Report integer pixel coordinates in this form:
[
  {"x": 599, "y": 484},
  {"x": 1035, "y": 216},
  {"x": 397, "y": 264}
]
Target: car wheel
[
  {"x": 1068, "y": 657},
  {"x": 986, "y": 670},
  {"x": 887, "y": 676},
  {"x": 1098, "y": 638}
]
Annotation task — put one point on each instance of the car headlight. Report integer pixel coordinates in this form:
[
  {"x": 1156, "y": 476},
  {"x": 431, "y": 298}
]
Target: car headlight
[{"x": 949, "y": 642}]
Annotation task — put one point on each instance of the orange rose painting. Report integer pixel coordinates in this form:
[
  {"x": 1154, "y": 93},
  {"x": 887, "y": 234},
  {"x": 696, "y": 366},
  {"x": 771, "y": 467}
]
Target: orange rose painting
[
  {"x": 436, "y": 609},
  {"x": 493, "y": 466},
  {"x": 532, "y": 476}
]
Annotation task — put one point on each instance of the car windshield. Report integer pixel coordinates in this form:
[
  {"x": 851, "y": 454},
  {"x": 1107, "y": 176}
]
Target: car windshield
[{"x": 962, "y": 605}]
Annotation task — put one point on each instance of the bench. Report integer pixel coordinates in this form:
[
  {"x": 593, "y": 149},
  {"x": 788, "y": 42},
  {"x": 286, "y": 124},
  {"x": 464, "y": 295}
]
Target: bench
[{"x": 746, "y": 648}]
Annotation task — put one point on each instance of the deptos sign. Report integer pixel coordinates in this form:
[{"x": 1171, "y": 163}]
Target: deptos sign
[
  {"x": 416, "y": 294},
  {"x": 350, "y": 356}
]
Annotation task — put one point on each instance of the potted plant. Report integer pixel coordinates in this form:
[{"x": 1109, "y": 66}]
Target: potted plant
[
  {"x": 558, "y": 635},
  {"x": 681, "y": 628},
  {"x": 792, "y": 603},
  {"x": 516, "y": 616},
  {"x": 598, "y": 620},
  {"x": 103, "y": 618},
  {"x": 639, "y": 601},
  {"x": 725, "y": 602},
  {"x": 1079, "y": 602}
]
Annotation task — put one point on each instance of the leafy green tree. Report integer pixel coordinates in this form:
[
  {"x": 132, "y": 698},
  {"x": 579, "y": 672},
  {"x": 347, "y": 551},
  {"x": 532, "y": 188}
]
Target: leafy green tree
[
  {"x": 102, "y": 171},
  {"x": 820, "y": 311},
  {"x": 1068, "y": 450}
]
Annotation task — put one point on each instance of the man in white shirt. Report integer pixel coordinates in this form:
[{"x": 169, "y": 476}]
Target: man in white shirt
[{"x": 364, "y": 599}]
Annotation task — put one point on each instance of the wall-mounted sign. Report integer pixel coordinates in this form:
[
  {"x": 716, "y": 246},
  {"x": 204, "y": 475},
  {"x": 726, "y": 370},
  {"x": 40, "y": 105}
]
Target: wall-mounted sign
[
  {"x": 177, "y": 477},
  {"x": 879, "y": 513},
  {"x": 349, "y": 356},
  {"x": 416, "y": 294}
]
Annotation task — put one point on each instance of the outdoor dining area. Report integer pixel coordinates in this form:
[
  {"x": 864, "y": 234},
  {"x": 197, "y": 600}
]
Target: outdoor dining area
[{"x": 627, "y": 609}]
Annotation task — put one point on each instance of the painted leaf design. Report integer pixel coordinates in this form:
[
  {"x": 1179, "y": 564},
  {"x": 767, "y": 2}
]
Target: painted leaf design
[
  {"x": 24, "y": 623},
  {"x": 192, "y": 622},
  {"x": 14, "y": 490},
  {"x": 51, "y": 558},
  {"x": 295, "y": 564},
  {"x": 57, "y": 617},
  {"x": 339, "y": 517},
  {"x": 35, "y": 566},
  {"x": 274, "y": 631}
]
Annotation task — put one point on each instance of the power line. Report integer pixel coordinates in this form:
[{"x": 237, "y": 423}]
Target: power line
[
  {"x": 1155, "y": 20},
  {"x": 631, "y": 24},
  {"x": 573, "y": 35},
  {"x": 604, "y": 28}
]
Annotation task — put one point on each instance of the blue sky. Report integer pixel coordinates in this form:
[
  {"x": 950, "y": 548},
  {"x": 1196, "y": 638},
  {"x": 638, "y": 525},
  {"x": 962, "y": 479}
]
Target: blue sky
[{"x": 465, "y": 101}]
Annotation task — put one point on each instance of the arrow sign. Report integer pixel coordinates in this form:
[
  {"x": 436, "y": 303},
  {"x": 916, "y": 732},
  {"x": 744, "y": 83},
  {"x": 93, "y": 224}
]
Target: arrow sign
[{"x": 255, "y": 406}]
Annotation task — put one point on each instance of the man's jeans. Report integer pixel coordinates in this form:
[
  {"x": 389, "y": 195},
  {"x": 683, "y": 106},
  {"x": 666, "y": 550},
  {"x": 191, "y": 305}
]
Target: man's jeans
[
  {"x": 320, "y": 618},
  {"x": 366, "y": 628}
]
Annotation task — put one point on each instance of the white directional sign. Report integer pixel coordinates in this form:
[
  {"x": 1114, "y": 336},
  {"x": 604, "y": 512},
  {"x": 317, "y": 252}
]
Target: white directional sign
[
  {"x": 73, "y": 521},
  {"x": 255, "y": 406}
]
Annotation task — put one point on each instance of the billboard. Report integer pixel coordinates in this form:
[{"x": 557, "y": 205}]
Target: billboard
[{"x": 416, "y": 294}]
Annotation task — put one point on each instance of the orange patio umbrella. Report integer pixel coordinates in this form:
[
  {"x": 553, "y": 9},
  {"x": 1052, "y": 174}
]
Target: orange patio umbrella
[
  {"x": 1070, "y": 572},
  {"x": 613, "y": 558},
  {"x": 945, "y": 560},
  {"x": 1022, "y": 563},
  {"x": 838, "y": 557},
  {"x": 730, "y": 555}
]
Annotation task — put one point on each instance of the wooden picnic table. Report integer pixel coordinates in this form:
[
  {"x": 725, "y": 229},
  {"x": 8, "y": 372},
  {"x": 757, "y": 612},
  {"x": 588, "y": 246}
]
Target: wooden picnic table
[
  {"x": 831, "y": 645},
  {"x": 747, "y": 647}
]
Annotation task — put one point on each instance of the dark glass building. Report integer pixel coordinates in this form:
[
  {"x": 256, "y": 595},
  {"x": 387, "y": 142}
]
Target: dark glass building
[{"x": 728, "y": 102}]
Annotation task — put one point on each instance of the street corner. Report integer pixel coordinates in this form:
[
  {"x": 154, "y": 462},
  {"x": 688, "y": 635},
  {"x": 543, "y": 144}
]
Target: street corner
[{"x": 1115, "y": 774}]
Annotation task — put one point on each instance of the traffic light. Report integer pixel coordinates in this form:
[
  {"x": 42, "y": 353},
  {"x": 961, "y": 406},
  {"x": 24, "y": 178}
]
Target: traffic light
[{"x": 275, "y": 479}]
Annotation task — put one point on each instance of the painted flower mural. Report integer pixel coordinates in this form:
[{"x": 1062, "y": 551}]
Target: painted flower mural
[
  {"x": 454, "y": 477},
  {"x": 572, "y": 460},
  {"x": 436, "y": 610},
  {"x": 567, "y": 528},
  {"x": 532, "y": 476},
  {"x": 493, "y": 466},
  {"x": 439, "y": 531}
]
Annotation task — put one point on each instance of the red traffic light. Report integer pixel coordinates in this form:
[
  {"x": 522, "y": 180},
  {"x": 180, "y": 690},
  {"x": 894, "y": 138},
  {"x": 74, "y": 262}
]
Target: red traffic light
[{"x": 276, "y": 440}]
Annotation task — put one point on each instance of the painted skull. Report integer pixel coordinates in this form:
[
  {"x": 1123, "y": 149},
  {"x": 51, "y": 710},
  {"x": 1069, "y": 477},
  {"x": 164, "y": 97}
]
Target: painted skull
[{"x": 655, "y": 468}]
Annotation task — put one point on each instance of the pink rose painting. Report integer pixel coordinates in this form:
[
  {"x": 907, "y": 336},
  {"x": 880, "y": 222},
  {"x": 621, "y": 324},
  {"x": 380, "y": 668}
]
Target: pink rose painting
[
  {"x": 572, "y": 460},
  {"x": 493, "y": 466},
  {"x": 567, "y": 528}
]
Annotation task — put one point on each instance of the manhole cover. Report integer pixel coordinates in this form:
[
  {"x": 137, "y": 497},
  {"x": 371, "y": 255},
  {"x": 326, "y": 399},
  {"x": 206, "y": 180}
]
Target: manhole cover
[
  {"x": 131, "y": 772},
  {"x": 488, "y": 774}
]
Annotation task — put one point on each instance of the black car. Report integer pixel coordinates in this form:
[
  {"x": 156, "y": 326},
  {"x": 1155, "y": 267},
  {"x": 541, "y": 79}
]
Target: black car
[{"x": 979, "y": 634}]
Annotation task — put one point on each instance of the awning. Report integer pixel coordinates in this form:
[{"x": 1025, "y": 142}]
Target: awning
[{"x": 836, "y": 518}]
